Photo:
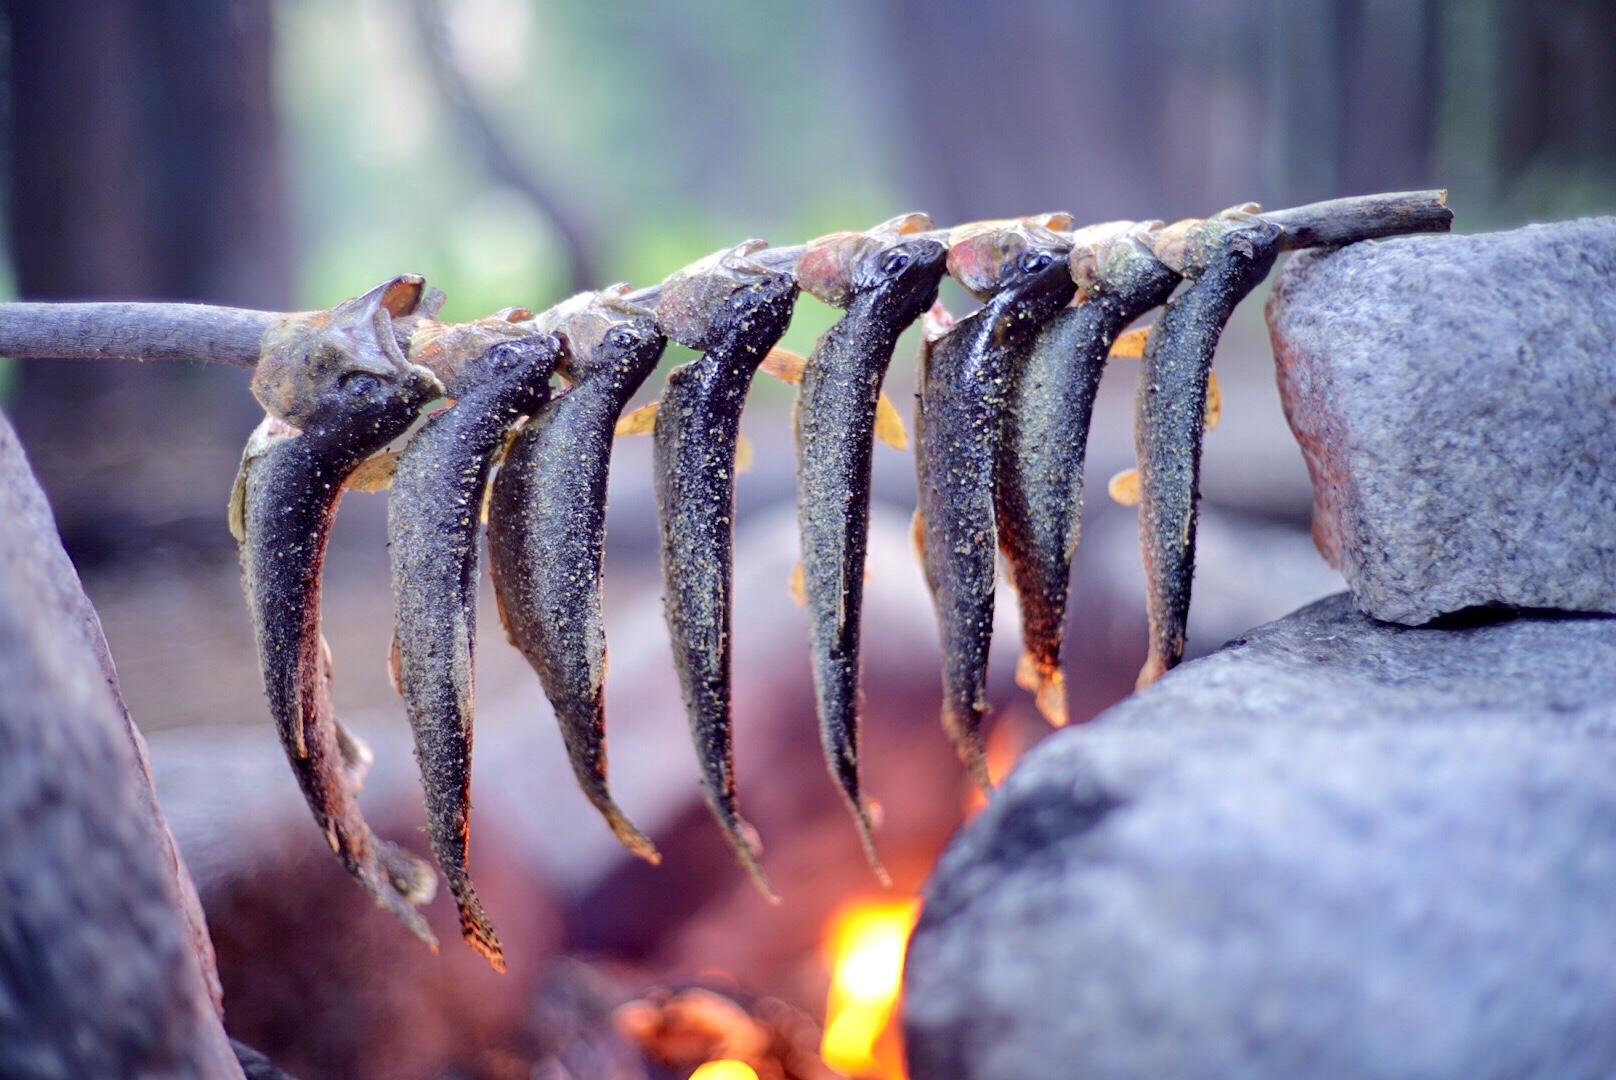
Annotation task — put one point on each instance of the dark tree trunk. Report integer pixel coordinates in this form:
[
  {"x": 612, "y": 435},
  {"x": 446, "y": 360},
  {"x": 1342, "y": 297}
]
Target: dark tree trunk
[{"x": 145, "y": 164}]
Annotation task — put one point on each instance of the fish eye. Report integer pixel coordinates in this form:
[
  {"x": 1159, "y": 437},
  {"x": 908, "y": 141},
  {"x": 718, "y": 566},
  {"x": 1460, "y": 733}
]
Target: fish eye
[
  {"x": 623, "y": 337},
  {"x": 894, "y": 261},
  {"x": 1033, "y": 261},
  {"x": 358, "y": 383}
]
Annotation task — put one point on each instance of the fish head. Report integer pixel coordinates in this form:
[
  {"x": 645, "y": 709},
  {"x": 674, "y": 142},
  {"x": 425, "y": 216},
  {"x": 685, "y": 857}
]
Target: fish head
[
  {"x": 1115, "y": 263},
  {"x": 711, "y": 299},
  {"x": 453, "y": 351},
  {"x": 1188, "y": 247},
  {"x": 315, "y": 365},
  {"x": 988, "y": 257},
  {"x": 891, "y": 258},
  {"x": 604, "y": 333}
]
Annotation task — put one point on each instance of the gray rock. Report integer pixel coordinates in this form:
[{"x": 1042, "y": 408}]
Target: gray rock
[
  {"x": 1455, "y": 399},
  {"x": 1337, "y": 848},
  {"x": 99, "y": 972}
]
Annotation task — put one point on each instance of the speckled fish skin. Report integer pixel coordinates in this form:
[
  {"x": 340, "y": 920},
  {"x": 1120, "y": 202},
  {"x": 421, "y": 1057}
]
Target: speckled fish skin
[
  {"x": 1040, "y": 491},
  {"x": 433, "y": 534},
  {"x": 1225, "y": 258},
  {"x": 734, "y": 311},
  {"x": 959, "y": 422},
  {"x": 547, "y": 530},
  {"x": 884, "y": 290},
  {"x": 291, "y": 490}
]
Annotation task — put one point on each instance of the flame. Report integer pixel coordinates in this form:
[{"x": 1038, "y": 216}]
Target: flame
[
  {"x": 864, "y": 948},
  {"x": 724, "y": 1069}
]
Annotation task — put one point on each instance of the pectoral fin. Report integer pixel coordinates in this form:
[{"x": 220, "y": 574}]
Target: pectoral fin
[
  {"x": 1124, "y": 488},
  {"x": 1214, "y": 401},
  {"x": 1130, "y": 345},
  {"x": 889, "y": 424},
  {"x": 374, "y": 473},
  {"x": 641, "y": 421},
  {"x": 784, "y": 365},
  {"x": 743, "y": 454}
]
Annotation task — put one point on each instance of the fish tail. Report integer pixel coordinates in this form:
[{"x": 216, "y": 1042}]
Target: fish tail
[
  {"x": 748, "y": 848},
  {"x": 1156, "y": 666},
  {"x": 964, "y": 727},
  {"x": 476, "y": 929},
  {"x": 866, "y": 830},
  {"x": 627, "y": 833},
  {"x": 1042, "y": 678}
]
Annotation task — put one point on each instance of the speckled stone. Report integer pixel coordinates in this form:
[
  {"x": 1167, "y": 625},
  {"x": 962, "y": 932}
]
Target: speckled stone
[
  {"x": 1455, "y": 399},
  {"x": 1337, "y": 848}
]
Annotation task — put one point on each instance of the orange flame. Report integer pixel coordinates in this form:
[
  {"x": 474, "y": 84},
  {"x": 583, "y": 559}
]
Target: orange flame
[{"x": 864, "y": 948}]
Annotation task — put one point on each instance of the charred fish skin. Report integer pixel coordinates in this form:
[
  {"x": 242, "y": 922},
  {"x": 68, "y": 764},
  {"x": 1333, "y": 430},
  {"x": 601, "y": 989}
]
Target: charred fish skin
[
  {"x": 433, "y": 534},
  {"x": 1224, "y": 257},
  {"x": 289, "y": 493},
  {"x": 959, "y": 422},
  {"x": 547, "y": 533},
  {"x": 1040, "y": 490},
  {"x": 734, "y": 310},
  {"x": 884, "y": 291}
]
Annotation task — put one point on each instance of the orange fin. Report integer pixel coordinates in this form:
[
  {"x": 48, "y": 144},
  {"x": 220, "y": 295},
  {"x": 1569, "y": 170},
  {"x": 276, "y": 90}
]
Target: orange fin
[
  {"x": 1214, "y": 401},
  {"x": 641, "y": 421},
  {"x": 1131, "y": 344},
  {"x": 784, "y": 365},
  {"x": 743, "y": 454},
  {"x": 798, "y": 596},
  {"x": 375, "y": 473},
  {"x": 1124, "y": 488},
  {"x": 889, "y": 424}
]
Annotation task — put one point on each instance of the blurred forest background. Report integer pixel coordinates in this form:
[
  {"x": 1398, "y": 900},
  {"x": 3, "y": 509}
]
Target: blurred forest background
[{"x": 286, "y": 154}]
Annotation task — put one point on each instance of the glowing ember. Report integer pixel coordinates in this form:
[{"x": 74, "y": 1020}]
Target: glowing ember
[
  {"x": 726, "y": 1069},
  {"x": 865, "y": 952}
]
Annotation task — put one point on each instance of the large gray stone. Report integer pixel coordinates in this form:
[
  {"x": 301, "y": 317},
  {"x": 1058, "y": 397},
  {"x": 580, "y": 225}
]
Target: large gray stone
[
  {"x": 1455, "y": 399},
  {"x": 1337, "y": 848}
]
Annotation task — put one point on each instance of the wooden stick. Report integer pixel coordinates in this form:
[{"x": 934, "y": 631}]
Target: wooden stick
[
  {"x": 222, "y": 335},
  {"x": 129, "y": 331},
  {"x": 1363, "y": 217}
]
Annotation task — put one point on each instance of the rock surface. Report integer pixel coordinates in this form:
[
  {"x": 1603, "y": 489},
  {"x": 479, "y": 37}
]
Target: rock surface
[
  {"x": 1454, "y": 398},
  {"x": 1337, "y": 848},
  {"x": 99, "y": 973}
]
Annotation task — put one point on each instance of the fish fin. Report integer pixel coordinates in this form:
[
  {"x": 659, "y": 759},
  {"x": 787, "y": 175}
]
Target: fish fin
[
  {"x": 968, "y": 745},
  {"x": 357, "y": 756},
  {"x": 868, "y": 815},
  {"x": 889, "y": 424},
  {"x": 798, "y": 595},
  {"x": 1214, "y": 401},
  {"x": 784, "y": 365},
  {"x": 917, "y": 536},
  {"x": 236, "y": 512},
  {"x": 395, "y": 666},
  {"x": 641, "y": 421},
  {"x": 269, "y": 431},
  {"x": 375, "y": 473},
  {"x": 1131, "y": 344},
  {"x": 1047, "y": 687},
  {"x": 935, "y": 322},
  {"x": 1124, "y": 488},
  {"x": 743, "y": 454},
  {"x": 749, "y": 847}
]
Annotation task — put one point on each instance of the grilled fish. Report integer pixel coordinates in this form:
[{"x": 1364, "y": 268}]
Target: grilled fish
[
  {"x": 547, "y": 528},
  {"x": 339, "y": 389},
  {"x": 1224, "y": 258},
  {"x": 884, "y": 279},
  {"x": 500, "y": 372},
  {"x": 1040, "y": 491},
  {"x": 733, "y": 310},
  {"x": 1020, "y": 273}
]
